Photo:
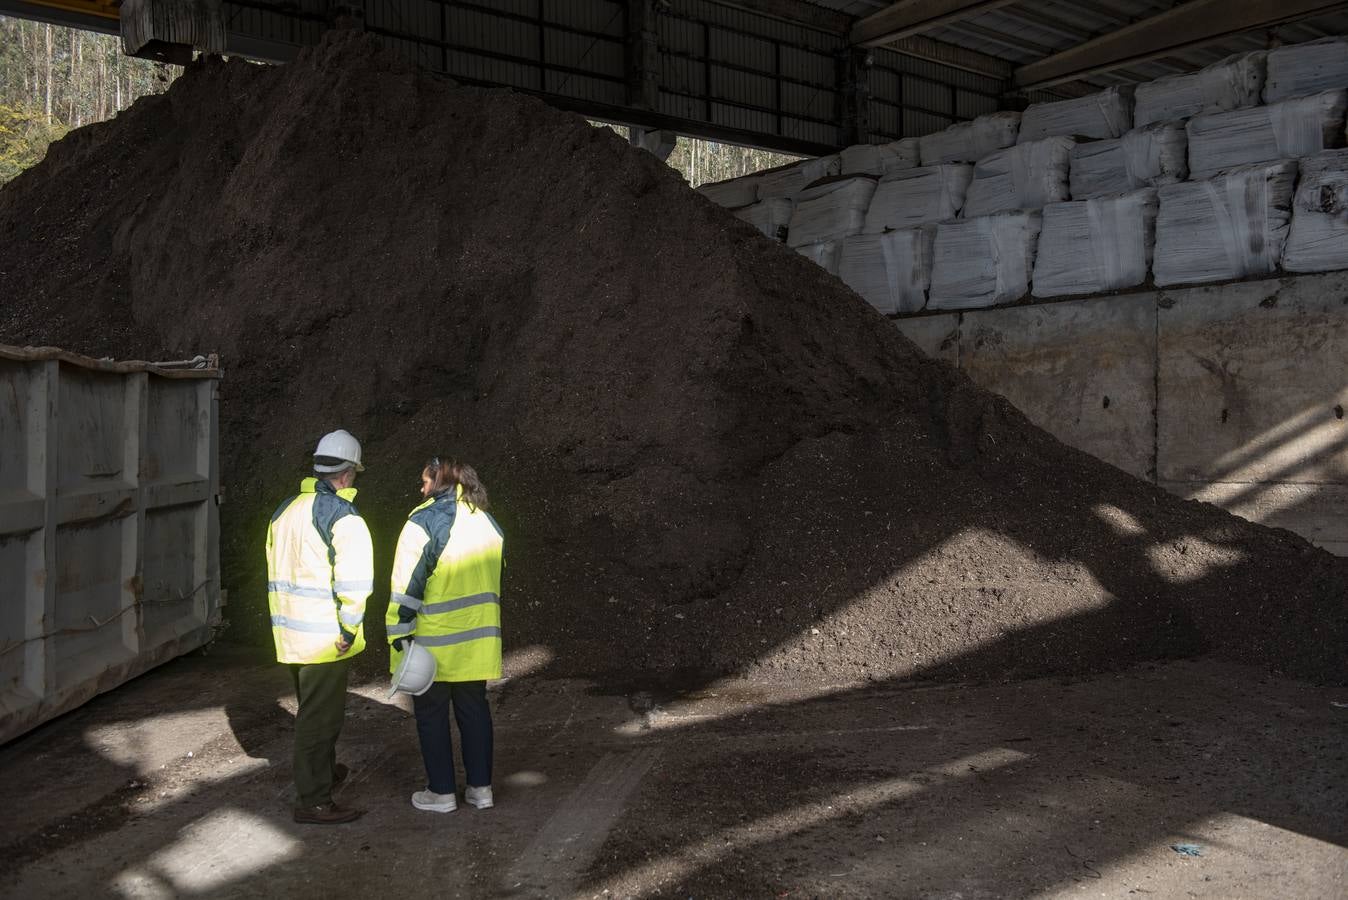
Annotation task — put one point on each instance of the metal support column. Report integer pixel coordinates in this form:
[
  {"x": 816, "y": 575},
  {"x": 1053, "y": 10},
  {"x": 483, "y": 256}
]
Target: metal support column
[{"x": 854, "y": 98}]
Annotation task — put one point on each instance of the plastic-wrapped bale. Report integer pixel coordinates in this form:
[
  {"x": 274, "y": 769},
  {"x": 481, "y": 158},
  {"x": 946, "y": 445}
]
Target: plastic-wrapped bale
[
  {"x": 891, "y": 271},
  {"x": 732, "y": 193},
  {"x": 920, "y": 196},
  {"x": 788, "y": 181},
  {"x": 1092, "y": 246},
  {"x": 1233, "y": 83},
  {"x": 1290, "y": 129},
  {"x": 1026, "y": 176},
  {"x": 970, "y": 141},
  {"x": 983, "y": 262},
  {"x": 824, "y": 254},
  {"x": 1107, "y": 114},
  {"x": 1301, "y": 69},
  {"x": 879, "y": 159},
  {"x": 1231, "y": 226},
  {"x": 1150, "y": 156},
  {"x": 769, "y": 216},
  {"x": 830, "y": 211},
  {"x": 1318, "y": 239}
]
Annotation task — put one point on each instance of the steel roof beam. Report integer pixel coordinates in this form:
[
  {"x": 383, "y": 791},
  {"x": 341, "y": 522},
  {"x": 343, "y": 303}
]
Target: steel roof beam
[
  {"x": 909, "y": 17},
  {"x": 954, "y": 56},
  {"x": 798, "y": 12},
  {"x": 1188, "y": 25}
]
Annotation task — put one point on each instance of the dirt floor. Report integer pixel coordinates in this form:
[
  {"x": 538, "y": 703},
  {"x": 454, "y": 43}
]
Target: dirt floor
[{"x": 177, "y": 785}]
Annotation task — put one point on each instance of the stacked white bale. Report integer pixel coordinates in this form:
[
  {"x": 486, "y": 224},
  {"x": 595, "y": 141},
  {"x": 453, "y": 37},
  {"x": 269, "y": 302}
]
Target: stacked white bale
[
  {"x": 1318, "y": 239},
  {"x": 983, "y": 262},
  {"x": 830, "y": 211},
  {"x": 772, "y": 217},
  {"x": 1231, "y": 226},
  {"x": 970, "y": 141},
  {"x": 823, "y": 254},
  {"x": 788, "y": 181},
  {"x": 891, "y": 271},
  {"x": 732, "y": 193},
  {"x": 1302, "y": 126},
  {"x": 915, "y": 197},
  {"x": 1107, "y": 114},
  {"x": 1026, "y": 176},
  {"x": 1233, "y": 83},
  {"x": 1309, "y": 68},
  {"x": 1150, "y": 156},
  {"x": 1091, "y": 246},
  {"x": 879, "y": 159}
]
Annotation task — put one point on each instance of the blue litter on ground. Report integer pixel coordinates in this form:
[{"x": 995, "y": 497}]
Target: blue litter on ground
[{"x": 1187, "y": 849}]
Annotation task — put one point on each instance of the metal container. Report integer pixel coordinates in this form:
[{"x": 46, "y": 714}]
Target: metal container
[{"x": 109, "y": 524}]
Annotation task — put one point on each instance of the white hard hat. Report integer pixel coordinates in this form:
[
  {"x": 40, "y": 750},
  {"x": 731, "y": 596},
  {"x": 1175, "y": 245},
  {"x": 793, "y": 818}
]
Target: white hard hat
[
  {"x": 416, "y": 672},
  {"x": 339, "y": 444}
]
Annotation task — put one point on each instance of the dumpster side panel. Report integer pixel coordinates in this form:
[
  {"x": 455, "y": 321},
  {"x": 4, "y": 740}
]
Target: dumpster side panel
[{"x": 109, "y": 557}]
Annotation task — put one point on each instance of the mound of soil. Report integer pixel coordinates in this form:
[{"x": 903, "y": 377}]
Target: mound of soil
[{"x": 708, "y": 455}]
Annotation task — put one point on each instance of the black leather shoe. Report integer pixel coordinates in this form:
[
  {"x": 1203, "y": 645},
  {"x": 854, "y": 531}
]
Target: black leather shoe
[{"x": 327, "y": 814}]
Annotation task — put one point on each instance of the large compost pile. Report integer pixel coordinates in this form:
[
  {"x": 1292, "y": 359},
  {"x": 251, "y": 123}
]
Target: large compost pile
[{"x": 708, "y": 455}]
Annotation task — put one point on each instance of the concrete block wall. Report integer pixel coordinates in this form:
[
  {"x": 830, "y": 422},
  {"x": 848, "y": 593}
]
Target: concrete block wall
[{"x": 1234, "y": 394}]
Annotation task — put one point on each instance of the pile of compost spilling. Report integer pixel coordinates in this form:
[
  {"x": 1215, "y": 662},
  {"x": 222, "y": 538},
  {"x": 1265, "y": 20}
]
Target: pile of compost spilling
[{"x": 708, "y": 455}]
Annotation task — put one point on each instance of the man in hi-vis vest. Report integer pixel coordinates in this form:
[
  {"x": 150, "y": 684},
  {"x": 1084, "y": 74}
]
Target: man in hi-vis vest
[{"x": 320, "y": 572}]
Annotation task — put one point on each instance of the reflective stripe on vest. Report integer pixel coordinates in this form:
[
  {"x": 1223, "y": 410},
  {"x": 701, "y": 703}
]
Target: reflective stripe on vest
[
  {"x": 445, "y": 606},
  {"x": 308, "y": 627},
  {"x": 462, "y": 637}
]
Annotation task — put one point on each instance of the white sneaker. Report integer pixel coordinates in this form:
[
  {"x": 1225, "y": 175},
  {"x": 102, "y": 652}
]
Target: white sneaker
[
  {"x": 478, "y": 796},
  {"x": 433, "y": 802}
]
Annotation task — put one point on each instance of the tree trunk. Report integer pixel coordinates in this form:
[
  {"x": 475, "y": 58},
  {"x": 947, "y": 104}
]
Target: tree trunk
[
  {"x": 70, "y": 81},
  {"x": 49, "y": 51}
]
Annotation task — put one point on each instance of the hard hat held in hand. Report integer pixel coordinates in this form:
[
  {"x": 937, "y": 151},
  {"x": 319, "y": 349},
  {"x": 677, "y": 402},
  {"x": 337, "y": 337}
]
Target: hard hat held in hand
[
  {"x": 338, "y": 445},
  {"x": 415, "y": 673}
]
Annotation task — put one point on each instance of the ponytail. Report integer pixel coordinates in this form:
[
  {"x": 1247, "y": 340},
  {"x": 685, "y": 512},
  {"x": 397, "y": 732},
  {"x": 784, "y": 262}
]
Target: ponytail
[{"x": 446, "y": 475}]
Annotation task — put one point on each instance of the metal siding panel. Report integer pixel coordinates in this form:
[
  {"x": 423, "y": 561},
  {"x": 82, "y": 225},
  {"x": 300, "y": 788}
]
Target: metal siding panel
[
  {"x": 749, "y": 23},
  {"x": 481, "y": 31},
  {"x": 599, "y": 16},
  {"x": 735, "y": 117},
  {"x": 749, "y": 52},
  {"x": 886, "y": 122},
  {"x": 672, "y": 104},
  {"x": 682, "y": 75},
  {"x": 569, "y": 84},
  {"x": 809, "y": 102},
  {"x": 741, "y": 87},
  {"x": 928, "y": 97},
  {"x": 800, "y": 129},
  {"x": 969, "y": 106},
  {"x": 469, "y": 65},
  {"x": 809, "y": 66},
  {"x": 679, "y": 35},
  {"x": 917, "y": 123},
  {"x": 581, "y": 52}
]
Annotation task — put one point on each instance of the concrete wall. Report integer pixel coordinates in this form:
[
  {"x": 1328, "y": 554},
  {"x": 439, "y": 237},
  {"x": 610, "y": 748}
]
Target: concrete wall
[{"x": 1234, "y": 394}]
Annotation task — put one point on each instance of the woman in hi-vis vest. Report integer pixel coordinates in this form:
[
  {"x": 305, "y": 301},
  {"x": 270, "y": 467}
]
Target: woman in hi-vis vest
[{"x": 446, "y": 596}]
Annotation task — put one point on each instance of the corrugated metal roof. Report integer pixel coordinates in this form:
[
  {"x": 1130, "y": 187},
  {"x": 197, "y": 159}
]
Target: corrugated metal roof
[{"x": 1029, "y": 30}]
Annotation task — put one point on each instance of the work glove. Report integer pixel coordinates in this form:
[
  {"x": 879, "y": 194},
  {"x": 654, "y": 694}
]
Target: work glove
[{"x": 398, "y": 643}]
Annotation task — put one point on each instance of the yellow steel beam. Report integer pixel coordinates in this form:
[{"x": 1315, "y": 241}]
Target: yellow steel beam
[{"x": 105, "y": 9}]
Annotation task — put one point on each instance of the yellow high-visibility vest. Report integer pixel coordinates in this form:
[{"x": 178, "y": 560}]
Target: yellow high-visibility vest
[
  {"x": 446, "y": 588},
  {"x": 320, "y": 572}
]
